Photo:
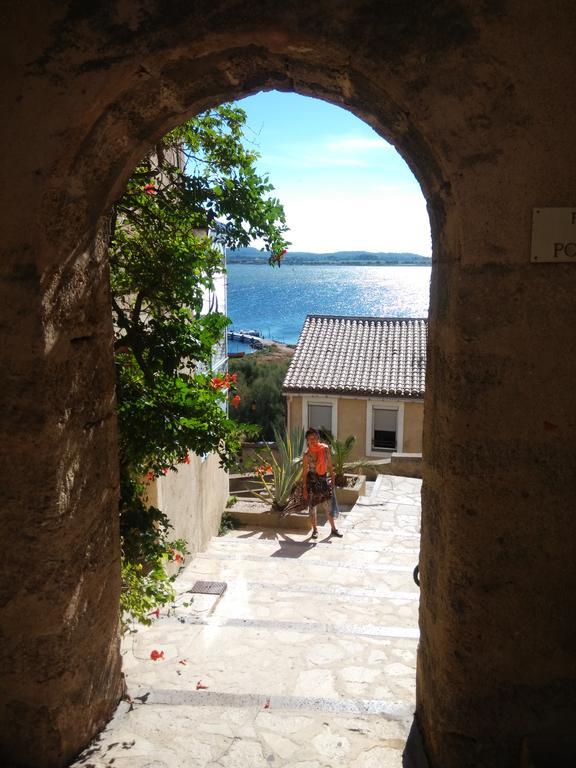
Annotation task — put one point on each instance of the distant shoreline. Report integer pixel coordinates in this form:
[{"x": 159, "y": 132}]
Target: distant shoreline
[
  {"x": 333, "y": 258},
  {"x": 348, "y": 263}
]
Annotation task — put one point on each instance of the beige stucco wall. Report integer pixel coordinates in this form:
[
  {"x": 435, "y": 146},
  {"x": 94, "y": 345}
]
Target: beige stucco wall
[
  {"x": 352, "y": 421},
  {"x": 413, "y": 425},
  {"x": 294, "y": 411},
  {"x": 193, "y": 498}
]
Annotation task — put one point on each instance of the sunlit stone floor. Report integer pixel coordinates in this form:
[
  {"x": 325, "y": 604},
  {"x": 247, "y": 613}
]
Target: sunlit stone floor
[{"x": 307, "y": 660}]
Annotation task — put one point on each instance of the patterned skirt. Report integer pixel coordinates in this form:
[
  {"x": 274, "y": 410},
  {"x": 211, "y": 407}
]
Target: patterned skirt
[{"x": 319, "y": 490}]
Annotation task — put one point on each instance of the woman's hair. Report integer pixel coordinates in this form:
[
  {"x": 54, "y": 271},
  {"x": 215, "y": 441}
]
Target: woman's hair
[{"x": 312, "y": 431}]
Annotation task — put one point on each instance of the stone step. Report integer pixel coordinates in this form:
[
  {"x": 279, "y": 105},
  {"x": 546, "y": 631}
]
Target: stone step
[
  {"x": 272, "y": 659},
  {"x": 248, "y": 732}
]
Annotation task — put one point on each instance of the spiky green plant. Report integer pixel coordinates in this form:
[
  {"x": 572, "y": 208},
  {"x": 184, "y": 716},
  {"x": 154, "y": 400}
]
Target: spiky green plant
[
  {"x": 341, "y": 450},
  {"x": 286, "y": 469}
]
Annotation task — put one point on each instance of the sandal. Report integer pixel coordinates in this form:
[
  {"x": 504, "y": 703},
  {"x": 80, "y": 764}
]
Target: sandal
[
  {"x": 314, "y": 533},
  {"x": 336, "y": 532}
]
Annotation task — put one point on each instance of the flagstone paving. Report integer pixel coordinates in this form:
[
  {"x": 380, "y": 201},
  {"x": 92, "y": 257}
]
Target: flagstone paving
[{"x": 307, "y": 660}]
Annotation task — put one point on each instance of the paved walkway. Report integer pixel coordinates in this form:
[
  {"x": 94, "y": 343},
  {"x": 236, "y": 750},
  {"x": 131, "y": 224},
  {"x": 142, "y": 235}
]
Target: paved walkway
[{"x": 307, "y": 660}]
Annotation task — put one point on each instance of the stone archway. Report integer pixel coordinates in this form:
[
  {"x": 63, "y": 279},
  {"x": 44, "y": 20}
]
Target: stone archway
[{"x": 90, "y": 86}]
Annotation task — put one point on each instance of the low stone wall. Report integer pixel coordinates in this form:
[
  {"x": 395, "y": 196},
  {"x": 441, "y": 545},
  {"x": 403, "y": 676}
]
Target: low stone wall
[
  {"x": 243, "y": 484},
  {"x": 401, "y": 464},
  {"x": 257, "y": 514},
  {"x": 250, "y": 451}
]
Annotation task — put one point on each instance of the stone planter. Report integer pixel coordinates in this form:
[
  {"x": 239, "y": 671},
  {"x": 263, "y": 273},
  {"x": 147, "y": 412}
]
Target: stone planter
[
  {"x": 349, "y": 496},
  {"x": 257, "y": 514}
]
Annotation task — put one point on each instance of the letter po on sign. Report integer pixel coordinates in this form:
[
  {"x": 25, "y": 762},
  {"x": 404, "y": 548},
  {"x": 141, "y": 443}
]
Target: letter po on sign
[{"x": 553, "y": 234}]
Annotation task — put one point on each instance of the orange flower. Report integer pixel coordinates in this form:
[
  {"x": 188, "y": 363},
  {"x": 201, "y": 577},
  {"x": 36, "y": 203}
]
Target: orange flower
[
  {"x": 150, "y": 189},
  {"x": 235, "y": 402}
]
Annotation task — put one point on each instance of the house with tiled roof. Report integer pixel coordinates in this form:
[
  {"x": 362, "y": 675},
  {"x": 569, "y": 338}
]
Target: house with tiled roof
[{"x": 361, "y": 376}]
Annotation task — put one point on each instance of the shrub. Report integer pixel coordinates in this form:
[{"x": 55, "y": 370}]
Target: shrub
[
  {"x": 260, "y": 388},
  {"x": 227, "y": 523}
]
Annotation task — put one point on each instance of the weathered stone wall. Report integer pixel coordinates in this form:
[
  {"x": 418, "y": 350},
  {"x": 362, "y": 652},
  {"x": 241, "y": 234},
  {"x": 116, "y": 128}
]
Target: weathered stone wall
[
  {"x": 61, "y": 572},
  {"x": 477, "y": 98}
]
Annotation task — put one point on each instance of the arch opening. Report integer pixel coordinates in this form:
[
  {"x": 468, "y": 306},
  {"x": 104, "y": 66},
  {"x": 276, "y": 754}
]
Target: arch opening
[{"x": 464, "y": 108}]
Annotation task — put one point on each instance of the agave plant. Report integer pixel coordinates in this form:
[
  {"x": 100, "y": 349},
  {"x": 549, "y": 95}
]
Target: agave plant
[{"x": 285, "y": 470}]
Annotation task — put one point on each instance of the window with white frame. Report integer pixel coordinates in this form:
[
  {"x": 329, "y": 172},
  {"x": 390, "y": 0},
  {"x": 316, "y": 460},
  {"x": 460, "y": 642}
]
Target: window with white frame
[
  {"x": 384, "y": 424},
  {"x": 320, "y": 415},
  {"x": 384, "y": 428}
]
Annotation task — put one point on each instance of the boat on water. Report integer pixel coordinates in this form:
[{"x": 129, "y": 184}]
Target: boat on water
[
  {"x": 250, "y": 332},
  {"x": 236, "y": 354}
]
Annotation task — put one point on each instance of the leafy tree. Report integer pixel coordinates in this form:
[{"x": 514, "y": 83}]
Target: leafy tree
[
  {"x": 260, "y": 389},
  {"x": 200, "y": 177}
]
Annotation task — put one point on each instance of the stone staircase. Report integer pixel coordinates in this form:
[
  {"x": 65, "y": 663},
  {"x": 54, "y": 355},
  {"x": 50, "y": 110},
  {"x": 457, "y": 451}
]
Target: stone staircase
[{"x": 306, "y": 660}]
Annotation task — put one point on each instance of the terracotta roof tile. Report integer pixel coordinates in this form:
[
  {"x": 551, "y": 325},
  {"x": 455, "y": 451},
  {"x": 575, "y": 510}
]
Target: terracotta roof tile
[{"x": 384, "y": 356}]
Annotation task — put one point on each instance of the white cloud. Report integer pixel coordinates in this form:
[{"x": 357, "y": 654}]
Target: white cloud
[
  {"x": 357, "y": 144},
  {"x": 330, "y": 152},
  {"x": 380, "y": 219}
]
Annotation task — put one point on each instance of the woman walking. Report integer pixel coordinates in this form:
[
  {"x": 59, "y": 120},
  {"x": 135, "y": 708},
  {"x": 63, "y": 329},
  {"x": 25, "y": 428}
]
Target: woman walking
[{"x": 316, "y": 466}]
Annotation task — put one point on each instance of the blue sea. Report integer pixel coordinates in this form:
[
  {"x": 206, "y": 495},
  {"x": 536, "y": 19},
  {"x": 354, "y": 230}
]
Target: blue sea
[{"x": 275, "y": 301}]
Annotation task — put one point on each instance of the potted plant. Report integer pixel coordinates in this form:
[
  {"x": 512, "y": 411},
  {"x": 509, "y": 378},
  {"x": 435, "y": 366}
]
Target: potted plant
[
  {"x": 341, "y": 450},
  {"x": 348, "y": 485}
]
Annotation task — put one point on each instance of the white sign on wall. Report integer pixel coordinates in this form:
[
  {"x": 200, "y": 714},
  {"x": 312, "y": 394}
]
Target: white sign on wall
[{"x": 553, "y": 234}]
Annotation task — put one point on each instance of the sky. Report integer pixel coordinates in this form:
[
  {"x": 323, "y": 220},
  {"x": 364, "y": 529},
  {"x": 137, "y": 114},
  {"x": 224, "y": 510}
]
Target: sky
[{"x": 342, "y": 186}]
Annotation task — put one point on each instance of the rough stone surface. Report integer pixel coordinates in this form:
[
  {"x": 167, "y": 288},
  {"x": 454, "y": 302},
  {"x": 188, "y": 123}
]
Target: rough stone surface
[{"x": 476, "y": 96}]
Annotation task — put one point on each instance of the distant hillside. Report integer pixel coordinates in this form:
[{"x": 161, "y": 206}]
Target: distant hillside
[{"x": 351, "y": 258}]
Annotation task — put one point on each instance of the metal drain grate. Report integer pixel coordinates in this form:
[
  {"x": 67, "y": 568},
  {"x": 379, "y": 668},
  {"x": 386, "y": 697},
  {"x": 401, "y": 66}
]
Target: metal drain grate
[{"x": 209, "y": 587}]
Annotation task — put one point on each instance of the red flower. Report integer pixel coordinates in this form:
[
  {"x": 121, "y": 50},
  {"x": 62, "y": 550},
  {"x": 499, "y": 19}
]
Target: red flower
[
  {"x": 235, "y": 402},
  {"x": 150, "y": 189},
  {"x": 234, "y": 377},
  {"x": 178, "y": 557},
  {"x": 263, "y": 469},
  {"x": 218, "y": 383},
  {"x": 157, "y": 655},
  {"x": 186, "y": 459},
  {"x": 149, "y": 475},
  {"x": 155, "y": 613},
  {"x": 165, "y": 470}
]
